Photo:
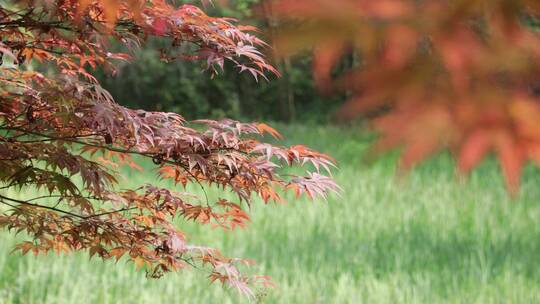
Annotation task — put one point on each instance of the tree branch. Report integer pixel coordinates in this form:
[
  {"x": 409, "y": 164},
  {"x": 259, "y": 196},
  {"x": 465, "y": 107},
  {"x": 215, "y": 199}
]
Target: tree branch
[
  {"x": 38, "y": 206},
  {"x": 87, "y": 217}
]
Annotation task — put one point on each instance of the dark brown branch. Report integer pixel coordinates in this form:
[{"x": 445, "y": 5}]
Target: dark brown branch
[
  {"x": 27, "y": 203},
  {"x": 38, "y": 206},
  {"x": 110, "y": 212}
]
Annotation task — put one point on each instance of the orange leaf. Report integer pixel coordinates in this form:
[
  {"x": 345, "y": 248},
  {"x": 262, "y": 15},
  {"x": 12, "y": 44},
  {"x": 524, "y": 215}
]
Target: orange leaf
[
  {"x": 511, "y": 159},
  {"x": 417, "y": 151},
  {"x": 117, "y": 252},
  {"x": 325, "y": 58},
  {"x": 139, "y": 262},
  {"x": 264, "y": 128},
  {"x": 473, "y": 150}
]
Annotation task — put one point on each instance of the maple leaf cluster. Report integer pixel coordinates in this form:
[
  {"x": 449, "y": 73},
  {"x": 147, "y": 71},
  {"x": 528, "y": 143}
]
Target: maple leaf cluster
[
  {"x": 459, "y": 74},
  {"x": 63, "y": 139}
]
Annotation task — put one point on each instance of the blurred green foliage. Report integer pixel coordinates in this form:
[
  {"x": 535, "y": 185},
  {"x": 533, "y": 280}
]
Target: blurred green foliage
[{"x": 185, "y": 87}]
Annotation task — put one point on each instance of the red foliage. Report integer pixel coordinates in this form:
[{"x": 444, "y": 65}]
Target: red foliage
[
  {"x": 62, "y": 137},
  {"x": 457, "y": 74}
]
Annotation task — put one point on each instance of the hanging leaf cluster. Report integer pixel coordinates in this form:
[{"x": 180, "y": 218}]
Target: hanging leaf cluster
[
  {"x": 64, "y": 140},
  {"x": 441, "y": 74}
]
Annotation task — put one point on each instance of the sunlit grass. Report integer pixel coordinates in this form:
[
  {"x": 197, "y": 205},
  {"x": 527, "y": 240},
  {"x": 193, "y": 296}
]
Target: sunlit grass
[{"x": 427, "y": 238}]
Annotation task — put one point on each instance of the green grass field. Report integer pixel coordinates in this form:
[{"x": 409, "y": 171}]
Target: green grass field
[{"x": 427, "y": 238}]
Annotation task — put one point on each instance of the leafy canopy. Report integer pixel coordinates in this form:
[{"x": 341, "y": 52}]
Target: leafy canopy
[
  {"x": 63, "y": 139},
  {"x": 457, "y": 74}
]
